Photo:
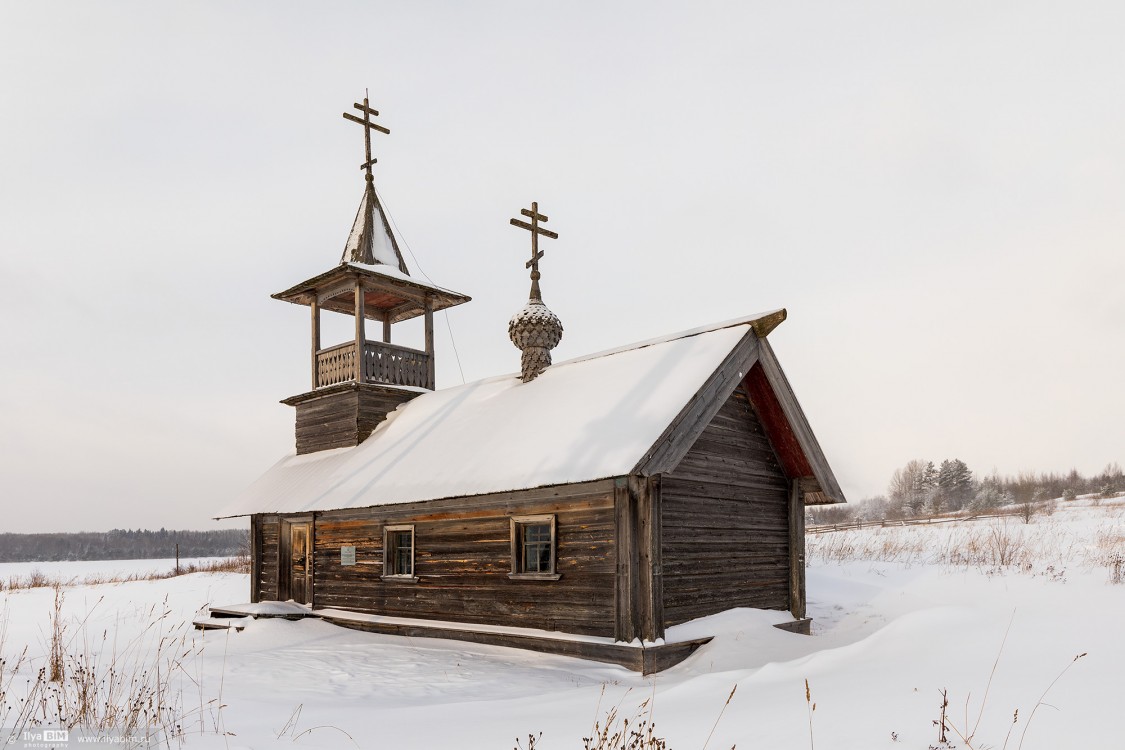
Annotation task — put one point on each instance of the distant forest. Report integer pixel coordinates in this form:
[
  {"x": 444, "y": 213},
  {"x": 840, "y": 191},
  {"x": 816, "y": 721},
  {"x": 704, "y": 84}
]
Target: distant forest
[
  {"x": 122, "y": 544},
  {"x": 922, "y": 489}
]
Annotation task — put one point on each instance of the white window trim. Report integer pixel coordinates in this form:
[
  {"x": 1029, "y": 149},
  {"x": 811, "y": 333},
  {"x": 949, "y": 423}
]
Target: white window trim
[
  {"x": 516, "y": 574},
  {"x": 387, "y": 560}
]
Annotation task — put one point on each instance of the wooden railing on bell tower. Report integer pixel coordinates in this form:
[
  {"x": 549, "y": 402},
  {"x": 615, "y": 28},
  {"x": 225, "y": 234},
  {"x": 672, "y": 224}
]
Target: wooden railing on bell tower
[
  {"x": 390, "y": 364},
  {"x": 364, "y": 361}
]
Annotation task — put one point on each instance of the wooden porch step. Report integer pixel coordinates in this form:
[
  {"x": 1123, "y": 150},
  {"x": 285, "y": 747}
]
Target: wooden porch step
[
  {"x": 237, "y": 624},
  {"x": 286, "y": 610}
]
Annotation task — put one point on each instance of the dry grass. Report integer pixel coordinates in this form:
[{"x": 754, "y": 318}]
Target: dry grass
[
  {"x": 636, "y": 732},
  {"x": 615, "y": 731},
  {"x": 1117, "y": 570},
  {"x": 90, "y": 681},
  {"x": 1048, "y": 543},
  {"x": 38, "y": 579}
]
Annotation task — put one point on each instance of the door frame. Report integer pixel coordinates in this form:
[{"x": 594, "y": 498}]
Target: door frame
[{"x": 285, "y": 557}]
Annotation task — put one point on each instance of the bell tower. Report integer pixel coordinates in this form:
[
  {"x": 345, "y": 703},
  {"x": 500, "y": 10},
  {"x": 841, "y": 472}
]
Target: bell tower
[{"x": 355, "y": 384}]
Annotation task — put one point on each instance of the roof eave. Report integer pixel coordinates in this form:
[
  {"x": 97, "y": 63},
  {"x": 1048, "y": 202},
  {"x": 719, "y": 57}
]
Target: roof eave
[
  {"x": 821, "y": 470},
  {"x": 304, "y": 292}
]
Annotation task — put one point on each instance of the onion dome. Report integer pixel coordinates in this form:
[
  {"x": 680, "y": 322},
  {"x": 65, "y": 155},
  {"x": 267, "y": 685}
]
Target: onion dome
[{"x": 535, "y": 331}]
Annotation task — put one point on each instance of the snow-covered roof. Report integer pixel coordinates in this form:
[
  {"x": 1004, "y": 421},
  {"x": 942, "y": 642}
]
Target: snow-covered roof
[
  {"x": 403, "y": 293},
  {"x": 588, "y": 418},
  {"x": 390, "y": 272}
]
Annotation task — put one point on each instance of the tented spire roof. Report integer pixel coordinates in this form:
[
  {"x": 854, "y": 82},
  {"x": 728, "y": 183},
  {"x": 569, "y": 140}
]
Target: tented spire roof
[{"x": 371, "y": 240}]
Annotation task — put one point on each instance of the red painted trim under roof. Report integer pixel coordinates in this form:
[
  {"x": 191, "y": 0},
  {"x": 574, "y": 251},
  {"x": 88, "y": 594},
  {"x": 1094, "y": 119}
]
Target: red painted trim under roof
[{"x": 780, "y": 434}]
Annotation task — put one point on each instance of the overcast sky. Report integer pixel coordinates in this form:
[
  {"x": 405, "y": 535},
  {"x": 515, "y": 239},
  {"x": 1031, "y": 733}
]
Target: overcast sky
[{"x": 934, "y": 191}]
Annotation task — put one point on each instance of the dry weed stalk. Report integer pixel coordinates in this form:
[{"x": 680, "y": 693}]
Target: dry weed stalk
[
  {"x": 969, "y": 736},
  {"x": 942, "y": 726},
  {"x": 9, "y": 671},
  {"x": 719, "y": 717},
  {"x": 811, "y": 709},
  {"x": 1039, "y": 702},
  {"x": 58, "y": 630}
]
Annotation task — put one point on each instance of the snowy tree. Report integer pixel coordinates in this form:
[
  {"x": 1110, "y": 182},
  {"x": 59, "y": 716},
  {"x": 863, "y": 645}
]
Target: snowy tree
[
  {"x": 913, "y": 486},
  {"x": 1111, "y": 480},
  {"x": 872, "y": 509},
  {"x": 1076, "y": 482},
  {"x": 955, "y": 483},
  {"x": 929, "y": 477},
  {"x": 933, "y": 505},
  {"x": 991, "y": 495}
]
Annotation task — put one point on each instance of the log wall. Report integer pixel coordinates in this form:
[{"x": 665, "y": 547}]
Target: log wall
[
  {"x": 269, "y": 528},
  {"x": 343, "y": 416},
  {"x": 462, "y": 558},
  {"x": 724, "y": 518}
]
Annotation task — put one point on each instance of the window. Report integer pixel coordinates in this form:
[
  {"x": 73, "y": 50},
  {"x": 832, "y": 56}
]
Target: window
[
  {"x": 533, "y": 548},
  {"x": 398, "y": 553}
]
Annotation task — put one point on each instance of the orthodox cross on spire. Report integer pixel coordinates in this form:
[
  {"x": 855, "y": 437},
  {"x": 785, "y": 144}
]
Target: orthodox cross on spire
[
  {"x": 536, "y": 253},
  {"x": 371, "y": 239},
  {"x": 368, "y": 126}
]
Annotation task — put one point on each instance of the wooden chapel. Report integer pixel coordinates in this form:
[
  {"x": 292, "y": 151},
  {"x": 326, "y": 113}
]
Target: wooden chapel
[{"x": 581, "y": 507}]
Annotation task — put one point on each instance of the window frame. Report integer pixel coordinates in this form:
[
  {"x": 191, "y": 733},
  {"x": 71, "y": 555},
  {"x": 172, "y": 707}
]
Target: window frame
[
  {"x": 516, "y": 549},
  {"x": 389, "y": 554}
]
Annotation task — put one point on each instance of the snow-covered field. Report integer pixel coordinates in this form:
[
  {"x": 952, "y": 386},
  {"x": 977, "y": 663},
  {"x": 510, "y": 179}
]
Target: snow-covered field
[
  {"x": 891, "y": 632},
  {"x": 80, "y": 570}
]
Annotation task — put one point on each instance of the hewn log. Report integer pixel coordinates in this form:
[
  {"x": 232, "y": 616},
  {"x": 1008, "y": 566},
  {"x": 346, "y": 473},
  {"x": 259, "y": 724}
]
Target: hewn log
[
  {"x": 255, "y": 558},
  {"x": 624, "y": 613},
  {"x": 429, "y": 312},
  {"x": 796, "y": 551},
  {"x": 360, "y": 333},
  {"x": 315, "y": 308}
]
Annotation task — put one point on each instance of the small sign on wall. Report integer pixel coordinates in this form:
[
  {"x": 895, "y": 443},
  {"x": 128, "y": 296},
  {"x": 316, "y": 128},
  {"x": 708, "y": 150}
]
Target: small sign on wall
[{"x": 347, "y": 555}]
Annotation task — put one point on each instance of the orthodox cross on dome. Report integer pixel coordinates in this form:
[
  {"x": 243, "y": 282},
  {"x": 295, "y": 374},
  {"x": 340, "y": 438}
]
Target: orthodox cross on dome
[
  {"x": 536, "y": 253},
  {"x": 535, "y": 330},
  {"x": 368, "y": 126}
]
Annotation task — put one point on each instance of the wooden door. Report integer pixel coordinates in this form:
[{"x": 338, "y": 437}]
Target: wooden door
[{"x": 300, "y": 563}]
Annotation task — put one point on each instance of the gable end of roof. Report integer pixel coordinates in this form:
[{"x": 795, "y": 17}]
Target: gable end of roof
[{"x": 681, "y": 434}]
